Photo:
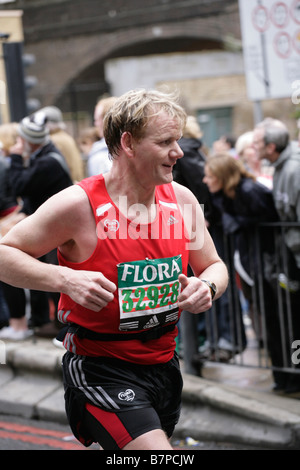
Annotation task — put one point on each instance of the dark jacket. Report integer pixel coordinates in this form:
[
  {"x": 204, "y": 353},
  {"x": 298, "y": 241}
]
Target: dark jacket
[
  {"x": 44, "y": 177},
  {"x": 7, "y": 200},
  {"x": 286, "y": 192},
  {"x": 253, "y": 204},
  {"x": 189, "y": 170}
]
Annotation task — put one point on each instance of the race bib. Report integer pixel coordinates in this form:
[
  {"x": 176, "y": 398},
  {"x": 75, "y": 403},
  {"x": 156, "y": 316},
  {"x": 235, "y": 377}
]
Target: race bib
[{"x": 148, "y": 292}]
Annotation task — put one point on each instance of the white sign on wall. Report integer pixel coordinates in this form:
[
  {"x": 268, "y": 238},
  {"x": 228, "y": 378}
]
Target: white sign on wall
[{"x": 271, "y": 46}]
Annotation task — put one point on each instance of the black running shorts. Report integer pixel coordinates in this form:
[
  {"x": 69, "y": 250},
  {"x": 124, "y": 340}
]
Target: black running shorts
[{"x": 113, "y": 402}]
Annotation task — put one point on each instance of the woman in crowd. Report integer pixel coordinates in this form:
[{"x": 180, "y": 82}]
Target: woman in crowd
[{"x": 243, "y": 203}]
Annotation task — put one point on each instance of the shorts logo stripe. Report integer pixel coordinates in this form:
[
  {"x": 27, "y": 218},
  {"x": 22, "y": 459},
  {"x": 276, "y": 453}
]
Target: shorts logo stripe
[{"x": 96, "y": 395}]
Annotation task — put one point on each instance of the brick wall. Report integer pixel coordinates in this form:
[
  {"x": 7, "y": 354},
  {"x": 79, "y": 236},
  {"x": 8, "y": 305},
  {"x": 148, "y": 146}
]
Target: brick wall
[
  {"x": 69, "y": 37},
  {"x": 46, "y": 19}
]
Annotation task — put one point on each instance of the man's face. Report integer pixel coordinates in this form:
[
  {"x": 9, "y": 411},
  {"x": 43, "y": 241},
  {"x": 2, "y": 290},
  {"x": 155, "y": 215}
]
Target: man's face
[
  {"x": 98, "y": 119},
  {"x": 157, "y": 151},
  {"x": 23, "y": 147}
]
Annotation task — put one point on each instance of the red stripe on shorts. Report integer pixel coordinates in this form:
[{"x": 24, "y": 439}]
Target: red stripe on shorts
[{"x": 112, "y": 424}]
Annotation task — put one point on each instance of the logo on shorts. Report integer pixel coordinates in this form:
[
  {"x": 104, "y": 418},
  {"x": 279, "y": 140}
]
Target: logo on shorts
[{"x": 128, "y": 395}]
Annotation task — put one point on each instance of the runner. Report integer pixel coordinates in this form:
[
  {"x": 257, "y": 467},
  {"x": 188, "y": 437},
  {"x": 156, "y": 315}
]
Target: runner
[{"x": 124, "y": 242}]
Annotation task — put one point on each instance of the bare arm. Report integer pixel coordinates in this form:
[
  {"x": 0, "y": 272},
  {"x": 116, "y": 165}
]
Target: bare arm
[
  {"x": 55, "y": 224},
  {"x": 204, "y": 260}
]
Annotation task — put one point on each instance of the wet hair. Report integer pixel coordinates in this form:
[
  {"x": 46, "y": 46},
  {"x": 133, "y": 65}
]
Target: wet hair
[
  {"x": 229, "y": 171},
  {"x": 132, "y": 111},
  {"x": 275, "y": 132}
]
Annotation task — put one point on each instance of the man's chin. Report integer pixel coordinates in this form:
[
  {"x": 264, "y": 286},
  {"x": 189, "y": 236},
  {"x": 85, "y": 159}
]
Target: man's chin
[{"x": 167, "y": 179}]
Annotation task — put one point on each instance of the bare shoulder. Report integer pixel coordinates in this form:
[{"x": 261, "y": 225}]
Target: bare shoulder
[
  {"x": 54, "y": 223},
  {"x": 70, "y": 209},
  {"x": 71, "y": 196},
  {"x": 193, "y": 217},
  {"x": 187, "y": 200},
  {"x": 183, "y": 194}
]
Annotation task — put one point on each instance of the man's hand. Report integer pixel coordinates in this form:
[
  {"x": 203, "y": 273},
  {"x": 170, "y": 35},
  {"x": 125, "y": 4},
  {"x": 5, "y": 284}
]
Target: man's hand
[
  {"x": 195, "y": 296},
  {"x": 22, "y": 148},
  {"x": 18, "y": 147},
  {"x": 91, "y": 289}
]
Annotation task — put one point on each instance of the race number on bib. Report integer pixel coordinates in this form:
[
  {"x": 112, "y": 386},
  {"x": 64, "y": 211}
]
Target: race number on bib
[{"x": 148, "y": 292}]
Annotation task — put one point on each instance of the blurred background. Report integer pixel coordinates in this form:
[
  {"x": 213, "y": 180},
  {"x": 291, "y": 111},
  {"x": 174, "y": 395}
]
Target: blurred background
[{"x": 69, "y": 53}]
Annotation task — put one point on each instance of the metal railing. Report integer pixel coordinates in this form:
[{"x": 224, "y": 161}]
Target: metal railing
[{"x": 260, "y": 312}]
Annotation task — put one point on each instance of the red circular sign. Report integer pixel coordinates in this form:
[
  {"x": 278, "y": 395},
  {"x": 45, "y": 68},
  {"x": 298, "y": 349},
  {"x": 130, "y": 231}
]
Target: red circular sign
[
  {"x": 283, "y": 44},
  {"x": 260, "y": 18},
  {"x": 280, "y": 15}
]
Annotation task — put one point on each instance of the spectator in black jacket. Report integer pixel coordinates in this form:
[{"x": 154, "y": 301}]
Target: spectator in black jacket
[
  {"x": 244, "y": 203},
  {"x": 8, "y": 205},
  {"x": 37, "y": 172},
  {"x": 189, "y": 170},
  {"x": 9, "y": 209}
]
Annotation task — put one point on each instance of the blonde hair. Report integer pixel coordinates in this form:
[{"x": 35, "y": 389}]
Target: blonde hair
[
  {"x": 106, "y": 104},
  {"x": 229, "y": 172},
  {"x": 192, "y": 129},
  {"x": 8, "y": 136},
  {"x": 244, "y": 141},
  {"x": 132, "y": 111}
]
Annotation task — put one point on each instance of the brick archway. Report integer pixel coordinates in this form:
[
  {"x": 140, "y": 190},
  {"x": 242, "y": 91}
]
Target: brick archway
[{"x": 62, "y": 62}]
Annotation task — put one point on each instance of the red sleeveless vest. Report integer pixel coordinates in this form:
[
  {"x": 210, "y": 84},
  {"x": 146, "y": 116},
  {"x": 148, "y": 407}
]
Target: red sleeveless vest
[{"x": 144, "y": 262}]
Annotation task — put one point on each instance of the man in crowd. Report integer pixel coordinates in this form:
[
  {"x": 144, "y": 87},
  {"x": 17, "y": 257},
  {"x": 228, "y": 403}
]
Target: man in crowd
[
  {"x": 271, "y": 141},
  {"x": 98, "y": 160}
]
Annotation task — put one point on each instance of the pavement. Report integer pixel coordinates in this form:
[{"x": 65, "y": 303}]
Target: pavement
[{"x": 227, "y": 404}]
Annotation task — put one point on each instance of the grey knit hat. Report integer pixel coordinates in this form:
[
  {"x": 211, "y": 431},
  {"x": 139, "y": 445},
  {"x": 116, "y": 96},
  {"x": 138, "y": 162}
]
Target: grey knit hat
[
  {"x": 33, "y": 129},
  {"x": 52, "y": 113}
]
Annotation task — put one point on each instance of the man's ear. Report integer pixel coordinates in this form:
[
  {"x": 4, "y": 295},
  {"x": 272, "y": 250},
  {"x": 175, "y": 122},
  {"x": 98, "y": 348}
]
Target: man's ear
[
  {"x": 127, "y": 143},
  {"x": 270, "y": 148}
]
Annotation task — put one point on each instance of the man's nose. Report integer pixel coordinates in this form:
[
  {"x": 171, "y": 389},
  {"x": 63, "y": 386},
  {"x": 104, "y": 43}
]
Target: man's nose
[{"x": 177, "y": 151}]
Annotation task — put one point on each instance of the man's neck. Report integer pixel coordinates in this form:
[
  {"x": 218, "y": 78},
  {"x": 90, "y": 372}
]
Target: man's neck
[{"x": 131, "y": 197}]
